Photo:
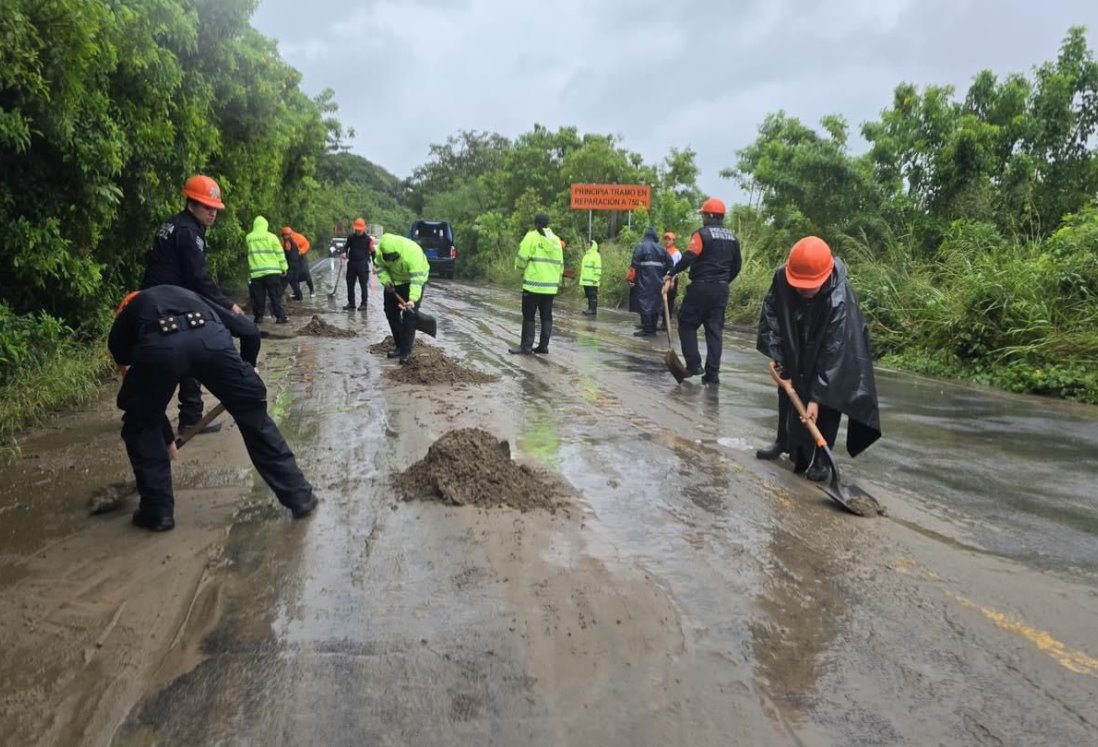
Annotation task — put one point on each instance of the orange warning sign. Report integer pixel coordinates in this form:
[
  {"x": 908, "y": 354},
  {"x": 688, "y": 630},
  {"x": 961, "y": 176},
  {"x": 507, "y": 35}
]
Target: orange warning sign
[{"x": 611, "y": 196}]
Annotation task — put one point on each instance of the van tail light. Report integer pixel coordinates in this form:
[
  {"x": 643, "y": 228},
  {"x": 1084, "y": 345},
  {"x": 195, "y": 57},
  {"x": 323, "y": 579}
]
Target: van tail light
[{"x": 453, "y": 253}]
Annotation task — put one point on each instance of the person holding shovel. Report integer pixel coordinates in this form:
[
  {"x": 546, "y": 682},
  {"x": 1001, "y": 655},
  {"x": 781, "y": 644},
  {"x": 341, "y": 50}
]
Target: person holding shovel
[
  {"x": 713, "y": 261},
  {"x": 673, "y": 292},
  {"x": 163, "y": 334},
  {"x": 813, "y": 330},
  {"x": 402, "y": 270}
]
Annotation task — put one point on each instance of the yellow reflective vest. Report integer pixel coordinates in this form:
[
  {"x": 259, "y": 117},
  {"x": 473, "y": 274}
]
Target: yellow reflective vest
[
  {"x": 265, "y": 255},
  {"x": 410, "y": 265},
  {"x": 541, "y": 260},
  {"x": 591, "y": 267}
]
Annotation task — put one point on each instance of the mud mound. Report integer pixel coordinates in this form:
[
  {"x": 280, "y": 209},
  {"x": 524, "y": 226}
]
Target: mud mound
[
  {"x": 429, "y": 365},
  {"x": 471, "y": 467},
  {"x": 387, "y": 345},
  {"x": 320, "y": 328}
]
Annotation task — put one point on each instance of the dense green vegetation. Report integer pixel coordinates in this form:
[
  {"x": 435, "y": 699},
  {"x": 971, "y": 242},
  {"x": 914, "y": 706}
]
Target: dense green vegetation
[
  {"x": 106, "y": 107},
  {"x": 969, "y": 223}
]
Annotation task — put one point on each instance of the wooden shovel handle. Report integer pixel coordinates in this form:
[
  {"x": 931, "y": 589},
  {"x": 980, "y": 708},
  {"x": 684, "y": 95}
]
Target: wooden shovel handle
[
  {"x": 208, "y": 418},
  {"x": 787, "y": 385},
  {"x": 667, "y": 320}
]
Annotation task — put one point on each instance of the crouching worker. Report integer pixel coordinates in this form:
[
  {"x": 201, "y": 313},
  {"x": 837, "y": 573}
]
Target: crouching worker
[
  {"x": 813, "y": 330},
  {"x": 402, "y": 269},
  {"x": 164, "y": 334}
]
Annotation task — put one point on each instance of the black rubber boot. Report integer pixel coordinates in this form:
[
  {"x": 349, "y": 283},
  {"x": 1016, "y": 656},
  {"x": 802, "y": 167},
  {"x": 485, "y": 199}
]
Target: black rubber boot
[
  {"x": 526, "y": 346},
  {"x": 771, "y": 452},
  {"x": 153, "y": 523},
  {"x": 819, "y": 471},
  {"x": 304, "y": 508}
]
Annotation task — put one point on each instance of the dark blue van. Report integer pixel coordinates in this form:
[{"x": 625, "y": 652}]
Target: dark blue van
[{"x": 437, "y": 240}]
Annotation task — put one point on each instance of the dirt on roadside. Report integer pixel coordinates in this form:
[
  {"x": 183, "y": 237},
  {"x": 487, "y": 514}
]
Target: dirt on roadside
[
  {"x": 471, "y": 467},
  {"x": 320, "y": 328},
  {"x": 429, "y": 365}
]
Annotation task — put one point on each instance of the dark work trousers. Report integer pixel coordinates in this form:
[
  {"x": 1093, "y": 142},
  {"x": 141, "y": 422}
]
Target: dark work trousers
[
  {"x": 268, "y": 286},
  {"x": 190, "y": 403},
  {"x": 592, "y": 294},
  {"x": 542, "y": 305},
  {"x": 360, "y": 272},
  {"x": 306, "y": 276},
  {"x": 205, "y": 355},
  {"x": 704, "y": 304},
  {"x": 255, "y": 298},
  {"x": 292, "y": 279},
  {"x": 401, "y": 323},
  {"x": 827, "y": 421}
]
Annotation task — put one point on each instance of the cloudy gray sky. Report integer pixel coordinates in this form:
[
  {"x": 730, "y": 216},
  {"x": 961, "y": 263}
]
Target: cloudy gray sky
[{"x": 657, "y": 73}]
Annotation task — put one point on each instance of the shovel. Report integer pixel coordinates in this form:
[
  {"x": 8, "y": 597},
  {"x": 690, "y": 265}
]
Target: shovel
[
  {"x": 425, "y": 323},
  {"x": 335, "y": 285},
  {"x": 114, "y": 495},
  {"x": 671, "y": 358},
  {"x": 852, "y": 498}
]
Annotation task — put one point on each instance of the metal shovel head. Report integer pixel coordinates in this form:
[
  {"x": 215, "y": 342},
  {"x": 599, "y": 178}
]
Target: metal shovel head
[
  {"x": 426, "y": 323},
  {"x": 675, "y": 366},
  {"x": 851, "y": 497}
]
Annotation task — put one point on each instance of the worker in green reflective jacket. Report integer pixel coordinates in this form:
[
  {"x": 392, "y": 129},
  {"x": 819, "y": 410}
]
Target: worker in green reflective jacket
[
  {"x": 541, "y": 259},
  {"x": 402, "y": 270},
  {"x": 590, "y": 277}
]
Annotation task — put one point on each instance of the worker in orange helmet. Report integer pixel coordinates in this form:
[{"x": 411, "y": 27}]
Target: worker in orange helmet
[
  {"x": 178, "y": 257},
  {"x": 673, "y": 292},
  {"x": 814, "y": 332},
  {"x": 358, "y": 255},
  {"x": 713, "y": 261}
]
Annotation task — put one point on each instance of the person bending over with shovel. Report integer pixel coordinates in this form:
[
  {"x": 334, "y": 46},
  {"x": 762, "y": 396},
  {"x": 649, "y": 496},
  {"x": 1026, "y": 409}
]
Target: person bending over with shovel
[
  {"x": 163, "y": 334},
  {"x": 814, "y": 332},
  {"x": 713, "y": 260},
  {"x": 402, "y": 269}
]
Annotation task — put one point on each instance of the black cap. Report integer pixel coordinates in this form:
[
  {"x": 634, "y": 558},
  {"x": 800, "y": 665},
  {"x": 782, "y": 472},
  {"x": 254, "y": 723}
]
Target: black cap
[{"x": 541, "y": 220}]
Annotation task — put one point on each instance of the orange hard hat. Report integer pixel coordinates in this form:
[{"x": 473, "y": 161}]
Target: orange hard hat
[
  {"x": 669, "y": 235},
  {"x": 204, "y": 190},
  {"x": 286, "y": 231},
  {"x": 126, "y": 302},
  {"x": 712, "y": 206},
  {"x": 810, "y": 263},
  {"x": 360, "y": 224}
]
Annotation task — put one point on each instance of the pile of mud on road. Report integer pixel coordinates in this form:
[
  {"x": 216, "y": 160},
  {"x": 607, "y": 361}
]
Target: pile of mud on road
[
  {"x": 429, "y": 365},
  {"x": 320, "y": 328},
  {"x": 471, "y": 467}
]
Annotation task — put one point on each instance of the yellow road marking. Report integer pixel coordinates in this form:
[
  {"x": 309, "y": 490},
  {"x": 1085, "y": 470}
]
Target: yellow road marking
[{"x": 1075, "y": 661}]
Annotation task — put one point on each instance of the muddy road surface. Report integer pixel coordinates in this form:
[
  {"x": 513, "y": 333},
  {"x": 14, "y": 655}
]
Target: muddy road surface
[{"x": 671, "y": 590}]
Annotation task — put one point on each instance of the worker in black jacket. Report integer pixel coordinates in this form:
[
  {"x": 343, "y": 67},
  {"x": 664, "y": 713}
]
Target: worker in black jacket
[
  {"x": 178, "y": 257},
  {"x": 357, "y": 252},
  {"x": 713, "y": 260},
  {"x": 166, "y": 333}
]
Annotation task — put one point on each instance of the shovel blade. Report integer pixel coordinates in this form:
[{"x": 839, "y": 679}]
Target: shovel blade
[
  {"x": 426, "y": 323},
  {"x": 854, "y": 499},
  {"x": 675, "y": 366}
]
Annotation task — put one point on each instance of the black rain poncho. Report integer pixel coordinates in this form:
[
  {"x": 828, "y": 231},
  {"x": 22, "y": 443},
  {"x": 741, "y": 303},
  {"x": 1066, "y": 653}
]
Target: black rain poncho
[
  {"x": 651, "y": 262},
  {"x": 823, "y": 344}
]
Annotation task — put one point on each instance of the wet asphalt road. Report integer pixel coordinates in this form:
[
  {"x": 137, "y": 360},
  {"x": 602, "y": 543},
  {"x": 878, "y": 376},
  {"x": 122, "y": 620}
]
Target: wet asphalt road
[{"x": 690, "y": 595}]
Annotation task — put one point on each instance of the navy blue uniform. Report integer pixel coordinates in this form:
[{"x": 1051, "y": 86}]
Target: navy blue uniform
[
  {"x": 159, "y": 359},
  {"x": 357, "y": 249},
  {"x": 178, "y": 257},
  {"x": 713, "y": 260}
]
